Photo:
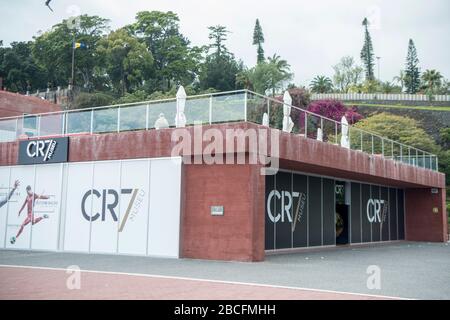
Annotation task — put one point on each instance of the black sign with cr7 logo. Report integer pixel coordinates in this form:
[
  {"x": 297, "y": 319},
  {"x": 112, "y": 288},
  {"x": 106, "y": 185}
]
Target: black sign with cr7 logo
[{"x": 51, "y": 150}]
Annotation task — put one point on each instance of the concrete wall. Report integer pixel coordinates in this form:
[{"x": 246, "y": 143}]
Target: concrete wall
[
  {"x": 239, "y": 233},
  {"x": 14, "y": 104},
  {"x": 422, "y": 224}
]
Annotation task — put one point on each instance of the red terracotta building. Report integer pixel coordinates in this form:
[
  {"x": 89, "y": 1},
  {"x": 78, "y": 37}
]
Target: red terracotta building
[{"x": 121, "y": 188}]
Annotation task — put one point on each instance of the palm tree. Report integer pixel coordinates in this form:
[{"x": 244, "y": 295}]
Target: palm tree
[
  {"x": 432, "y": 80},
  {"x": 281, "y": 71},
  {"x": 321, "y": 84},
  {"x": 400, "y": 79},
  {"x": 388, "y": 87},
  {"x": 243, "y": 80}
]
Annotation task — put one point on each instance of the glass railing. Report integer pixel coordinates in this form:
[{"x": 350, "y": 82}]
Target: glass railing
[{"x": 222, "y": 107}]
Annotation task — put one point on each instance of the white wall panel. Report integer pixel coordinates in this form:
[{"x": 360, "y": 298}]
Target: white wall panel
[
  {"x": 44, "y": 235},
  {"x": 105, "y": 207},
  {"x": 164, "y": 220},
  {"x": 134, "y": 207},
  {"x": 5, "y": 188},
  {"x": 25, "y": 174},
  {"x": 77, "y": 226}
]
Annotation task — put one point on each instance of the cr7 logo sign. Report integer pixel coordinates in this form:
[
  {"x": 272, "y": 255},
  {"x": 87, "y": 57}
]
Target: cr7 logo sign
[
  {"x": 376, "y": 210},
  {"x": 286, "y": 204},
  {"x": 109, "y": 199},
  {"x": 41, "y": 149}
]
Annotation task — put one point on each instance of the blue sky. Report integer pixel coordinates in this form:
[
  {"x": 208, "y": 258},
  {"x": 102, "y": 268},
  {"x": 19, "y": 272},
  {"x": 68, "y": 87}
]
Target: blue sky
[{"x": 311, "y": 35}]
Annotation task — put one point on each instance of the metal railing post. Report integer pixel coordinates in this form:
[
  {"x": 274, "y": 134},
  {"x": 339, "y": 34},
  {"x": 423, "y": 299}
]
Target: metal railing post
[
  {"x": 361, "y": 134},
  {"x": 146, "y": 115},
  {"x": 63, "y": 124},
  {"x": 118, "y": 119},
  {"x": 210, "y": 109},
  {"x": 335, "y": 132},
  {"x": 38, "y": 120},
  {"x": 349, "y": 137},
  {"x": 17, "y": 127},
  {"x": 245, "y": 106},
  {"x": 392, "y": 149},
  {"x": 92, "y": 121},
  {"x": 306, "y": 124},
  {"x": 372, "y": 143},
  {"x": 401, "y": 153},
  {"x": 409, "y": 155}
]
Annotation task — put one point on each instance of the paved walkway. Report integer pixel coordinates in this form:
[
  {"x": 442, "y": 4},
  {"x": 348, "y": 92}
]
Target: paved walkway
[
  {"x": 407, "y": 270},
  {"x": 37, "y": 283}
]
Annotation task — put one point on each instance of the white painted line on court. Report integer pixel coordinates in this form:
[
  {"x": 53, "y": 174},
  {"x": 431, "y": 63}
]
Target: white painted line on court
[{"x": 209, "y": 280}]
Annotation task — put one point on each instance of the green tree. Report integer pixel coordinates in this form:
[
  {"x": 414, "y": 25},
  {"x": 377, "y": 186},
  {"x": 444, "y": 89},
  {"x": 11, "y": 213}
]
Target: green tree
[
  {"x": 321, "y": 84},
  {"x": 367, "y": 52},
  {"x": 280, "y": 73},
  {"x": 91, "y": 100},
  {"x": 220, "y": 68},
  {"x": 126, "y": 60},
  {"x": 267, "y": 76},
  {"x": 346, "y": 74},
  {"x": 175, "y": 62},
  {"x": 244, "y": 79},
  {"x": 218, "y": 35},
  {"x": 389, "y": 87},
  {"x": 52, "y": 50},
  {"x": 19, "y": 70},
  {"x": 412, "y": 72},
  {"x": 445, "y": 138},
  {"x": 445, "y": 87},
  {"x": 400, "y": 79},
  {"x": 258, "y": 40},
  {"x": 431, "y": 81}
]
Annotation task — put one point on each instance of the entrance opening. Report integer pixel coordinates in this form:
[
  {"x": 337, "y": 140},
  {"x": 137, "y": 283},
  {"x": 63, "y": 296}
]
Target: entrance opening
[{"x": 342, "y": 212}]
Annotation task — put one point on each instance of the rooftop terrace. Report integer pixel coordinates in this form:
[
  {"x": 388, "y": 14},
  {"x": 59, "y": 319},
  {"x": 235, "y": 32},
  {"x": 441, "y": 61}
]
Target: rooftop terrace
[{"x": 223, "y": 107}]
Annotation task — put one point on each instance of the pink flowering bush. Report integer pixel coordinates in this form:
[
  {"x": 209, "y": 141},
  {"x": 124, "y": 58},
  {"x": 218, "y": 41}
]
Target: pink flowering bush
[{"x": 334, "y": 109}]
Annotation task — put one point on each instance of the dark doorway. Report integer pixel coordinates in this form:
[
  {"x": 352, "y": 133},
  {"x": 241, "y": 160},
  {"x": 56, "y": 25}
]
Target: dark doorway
[
  {"x": 342, "y": 234},
  {"x": 342, "y": 213}
]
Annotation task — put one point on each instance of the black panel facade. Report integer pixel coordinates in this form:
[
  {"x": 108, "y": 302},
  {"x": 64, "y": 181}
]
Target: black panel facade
[
  {"x": 355, "y": 213},
  {"x": 270, "y": 211},
  {"x": 376, "y": 205},
  {"x": 385, "y": 213},
  {"x": 401, "y": 214},
  {"x": 366, "y": 211},
  {"x": 301, "y": 211},
  {"x": 283, "y": 218},
  {"x": 393, "y": 214},
  {"x": 328, "y": 212},
  {"x": 300, "y": 217},
  {"x": 315, "y": 211}
]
